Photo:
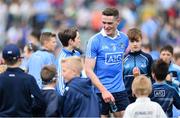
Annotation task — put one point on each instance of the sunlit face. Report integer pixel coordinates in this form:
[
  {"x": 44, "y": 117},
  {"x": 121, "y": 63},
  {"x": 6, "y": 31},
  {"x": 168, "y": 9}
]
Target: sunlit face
[
  {"x": 135, "y": 45},
  {"x": 51, "y": 44},
  {"x": 109, "y": 24},
  {"x": 77, "y": 41},
  {"x": 67, "y": 72},
  {"x": 166, "y": 56}
]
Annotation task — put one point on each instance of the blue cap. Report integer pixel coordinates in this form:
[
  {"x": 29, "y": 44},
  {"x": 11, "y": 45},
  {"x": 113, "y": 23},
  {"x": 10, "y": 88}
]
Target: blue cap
[{"x": 11, "y": 52}]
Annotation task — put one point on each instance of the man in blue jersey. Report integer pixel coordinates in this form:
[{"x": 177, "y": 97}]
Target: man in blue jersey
[
  {"x": 43, "y": 56},
  {"x": 70, "y": 40},
  {"x": 103, "y": 64},
  {"x": 162, "y": 93}
]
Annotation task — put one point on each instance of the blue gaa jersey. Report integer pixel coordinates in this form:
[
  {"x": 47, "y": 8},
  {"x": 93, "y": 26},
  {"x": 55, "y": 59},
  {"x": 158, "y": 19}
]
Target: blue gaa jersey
[
  {"x": 109, "y": 53},
  {"x": 174, "y": 71},
  {"x": 166, "y": 96},
  {"x": 64, "y": 53},
  {"x": 37, "y": 61}
]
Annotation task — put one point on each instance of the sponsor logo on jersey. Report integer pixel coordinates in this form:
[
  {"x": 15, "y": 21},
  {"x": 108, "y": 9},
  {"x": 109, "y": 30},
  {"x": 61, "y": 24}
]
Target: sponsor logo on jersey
[
  {"x": 159, "y": 93},
  {"x": 113, "y": 58}
]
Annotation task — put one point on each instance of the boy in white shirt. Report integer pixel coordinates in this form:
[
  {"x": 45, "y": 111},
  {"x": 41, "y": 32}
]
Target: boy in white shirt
[{"x": 143, "y": 107}]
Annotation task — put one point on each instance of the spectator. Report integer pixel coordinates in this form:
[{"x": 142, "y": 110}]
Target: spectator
[
  {"x": 162, "y": 93},
  {"x": 29, "y": 49},
  {"x": 78, "y": 100},
  {"x": 70, "y": 40},
  {"x": 135, "y": 58},
  {"x": 52, "y": 98},
  {"x": 42, "y": 57},
  {"x": 143, "y": 107},
  {"x": 17, "y": 88}
]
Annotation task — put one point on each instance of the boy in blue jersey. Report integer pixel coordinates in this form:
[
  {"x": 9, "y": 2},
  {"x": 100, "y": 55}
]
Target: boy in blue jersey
[
  {"x": 166, "y": 54},
  {"x": 78, "y": 98},
  {"x": 19, "y": 92},
  {"x": 52, "y": 98},
  {"x": 104, "y": 65},
  {"x": 163, "y": 93},
  {"x": 135, "y": 58},
  {"x": 43, "y": 56},
  {"x": 70, "y": 40}
]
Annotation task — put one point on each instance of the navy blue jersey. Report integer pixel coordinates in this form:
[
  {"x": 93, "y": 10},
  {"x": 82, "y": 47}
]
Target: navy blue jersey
[
  {"x": 19, "y": 94},
  {"x": 53, "y": 103},
  {"x": 79, "y": 99},
  {"x": 166, "y": 96},
  {"x": 135, "y": 59}
]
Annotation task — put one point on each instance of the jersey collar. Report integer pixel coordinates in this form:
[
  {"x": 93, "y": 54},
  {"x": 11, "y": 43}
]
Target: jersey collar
[{"x": 105, "y": 35}]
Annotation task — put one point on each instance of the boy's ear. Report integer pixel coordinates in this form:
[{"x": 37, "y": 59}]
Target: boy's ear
[{"x": 70, "y": 42}]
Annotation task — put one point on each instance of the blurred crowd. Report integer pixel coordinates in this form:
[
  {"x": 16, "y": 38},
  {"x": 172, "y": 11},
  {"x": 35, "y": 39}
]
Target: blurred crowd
[{"x": 158, "y": 19}]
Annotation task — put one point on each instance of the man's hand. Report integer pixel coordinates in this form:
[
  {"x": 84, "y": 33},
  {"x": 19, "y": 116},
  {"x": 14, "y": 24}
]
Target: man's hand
[{"x": 107, "y": 96}]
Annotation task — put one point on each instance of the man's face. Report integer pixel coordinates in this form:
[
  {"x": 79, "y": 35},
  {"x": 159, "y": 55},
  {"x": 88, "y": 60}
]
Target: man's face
[
  {"x": 166, "y": 56},
  {"x": 51, "y": 44},
  {"x": 109, "y": 24}
]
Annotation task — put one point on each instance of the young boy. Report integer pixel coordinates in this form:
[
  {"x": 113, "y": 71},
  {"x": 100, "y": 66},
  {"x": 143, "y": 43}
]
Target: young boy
[
  {"x": 70, "y": 39},
  {"x": 163, "y": 93},
  {"x": 52, "y": 98},
  {"x": 166, "y": 54},
  {"x": 19, "y": 92},
  {"x": 136, "y": 59},
  {"x": 78, "y": 99},
  {"x": 143, "y": 107}
]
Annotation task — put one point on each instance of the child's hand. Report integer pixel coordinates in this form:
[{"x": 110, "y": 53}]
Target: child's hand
[{"x": 136, "y": 71}]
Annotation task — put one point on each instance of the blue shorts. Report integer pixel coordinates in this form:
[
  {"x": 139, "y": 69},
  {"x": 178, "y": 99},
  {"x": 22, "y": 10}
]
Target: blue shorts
[{"x": 121, "y": 101}]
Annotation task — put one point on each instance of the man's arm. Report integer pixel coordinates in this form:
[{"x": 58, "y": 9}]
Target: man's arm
[{"x": 89, "y": 67}]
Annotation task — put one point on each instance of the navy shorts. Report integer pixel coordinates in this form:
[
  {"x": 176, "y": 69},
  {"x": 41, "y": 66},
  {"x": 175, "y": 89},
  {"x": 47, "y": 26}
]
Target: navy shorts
[{"x": 121, "y": 100}]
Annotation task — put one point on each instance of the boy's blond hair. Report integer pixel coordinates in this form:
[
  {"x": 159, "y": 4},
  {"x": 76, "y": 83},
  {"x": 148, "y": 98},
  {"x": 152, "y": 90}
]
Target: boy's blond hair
[
  {"x": 141, "y": 86},
  {"x": 73, "y": 63}
]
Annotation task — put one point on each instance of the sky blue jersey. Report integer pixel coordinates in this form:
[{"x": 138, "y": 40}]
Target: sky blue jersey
[
  {"x": 37, "y": 61},
  {"x": 109, "y": 53},
  {"x": 64, "y": 53}
]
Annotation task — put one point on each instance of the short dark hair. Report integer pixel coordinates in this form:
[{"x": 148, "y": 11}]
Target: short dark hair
[
  {"x": 111, "y": 12},
  {"x": 160, "y": 69},
  {"x": 48, "y": 72},
  {"x": 168, "y": 48},
  {"x": 66, "y": 35},
  {"x": 45, "y": 36},
  {"x": 134, "y": 34}
]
